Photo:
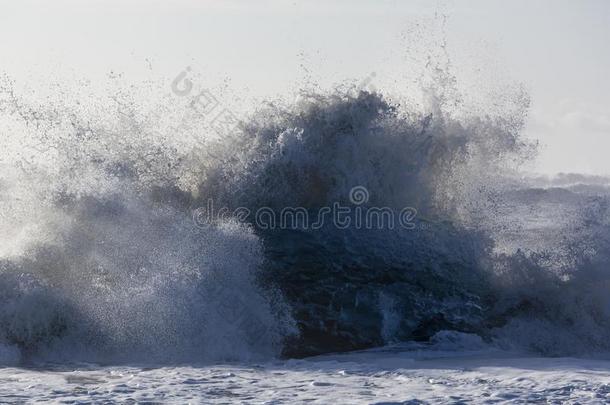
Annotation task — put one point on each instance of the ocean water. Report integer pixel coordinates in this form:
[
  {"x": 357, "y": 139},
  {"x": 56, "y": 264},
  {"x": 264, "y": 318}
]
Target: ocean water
[
  {"x": 143, "y": 243},
  {"x": 444, "y": 372}
]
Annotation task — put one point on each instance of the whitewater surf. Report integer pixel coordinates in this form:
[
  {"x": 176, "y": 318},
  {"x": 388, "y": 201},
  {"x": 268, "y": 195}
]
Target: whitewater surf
[{"x": 108, "y": 254}]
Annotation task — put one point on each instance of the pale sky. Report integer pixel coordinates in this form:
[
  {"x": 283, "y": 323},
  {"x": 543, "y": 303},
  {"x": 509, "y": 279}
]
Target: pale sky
[{"x": 559, "y": 50}]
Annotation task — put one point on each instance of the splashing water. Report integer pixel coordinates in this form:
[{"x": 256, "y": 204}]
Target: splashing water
[{"x": 100, "y": 258}]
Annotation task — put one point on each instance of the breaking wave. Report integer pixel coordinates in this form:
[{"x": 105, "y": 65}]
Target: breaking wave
[{"x": 100, "y": 259}]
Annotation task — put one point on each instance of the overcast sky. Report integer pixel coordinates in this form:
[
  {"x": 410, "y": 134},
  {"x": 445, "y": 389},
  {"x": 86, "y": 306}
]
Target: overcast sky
[{"x": 560, "y": 51}]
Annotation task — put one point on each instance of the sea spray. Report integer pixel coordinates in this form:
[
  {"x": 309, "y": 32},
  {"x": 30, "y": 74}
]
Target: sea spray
[{"x": 102, "y": 260}]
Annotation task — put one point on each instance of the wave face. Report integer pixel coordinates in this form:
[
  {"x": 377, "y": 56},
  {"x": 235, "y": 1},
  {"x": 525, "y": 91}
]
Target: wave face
[{"x": 102, "y": 258}]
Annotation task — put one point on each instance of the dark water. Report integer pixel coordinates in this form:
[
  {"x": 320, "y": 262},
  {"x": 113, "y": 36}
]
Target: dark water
[{"x": 104, "y": 255}]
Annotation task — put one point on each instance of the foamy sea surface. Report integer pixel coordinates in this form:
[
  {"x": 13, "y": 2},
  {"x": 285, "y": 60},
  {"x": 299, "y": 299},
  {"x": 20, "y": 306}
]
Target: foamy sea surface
[{"x": 382, "y": 376}]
